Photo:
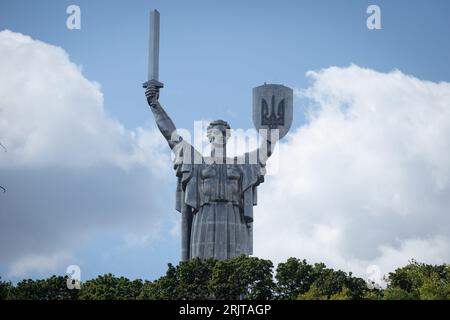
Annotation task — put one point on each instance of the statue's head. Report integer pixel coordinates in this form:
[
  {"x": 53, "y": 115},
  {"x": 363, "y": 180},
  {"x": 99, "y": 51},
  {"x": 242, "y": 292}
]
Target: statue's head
[{"x": 218, "y": 132}]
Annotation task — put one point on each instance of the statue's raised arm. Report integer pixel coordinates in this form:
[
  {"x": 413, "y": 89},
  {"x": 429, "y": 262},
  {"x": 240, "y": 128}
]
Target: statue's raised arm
[
  {"x": 162, "y": 119},
  {"x": 183, "y": 164}
]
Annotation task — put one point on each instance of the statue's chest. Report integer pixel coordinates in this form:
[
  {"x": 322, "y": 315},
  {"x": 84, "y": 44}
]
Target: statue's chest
[{"x": 220, "y": 182}]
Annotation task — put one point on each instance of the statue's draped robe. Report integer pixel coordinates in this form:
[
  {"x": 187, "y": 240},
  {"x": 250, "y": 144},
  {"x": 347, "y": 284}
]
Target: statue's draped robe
[{"x": 221, "y": 197}]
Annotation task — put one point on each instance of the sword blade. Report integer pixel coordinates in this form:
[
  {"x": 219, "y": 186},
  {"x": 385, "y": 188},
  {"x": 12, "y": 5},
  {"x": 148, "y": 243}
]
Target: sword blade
[{"x": 153, "y": 56}]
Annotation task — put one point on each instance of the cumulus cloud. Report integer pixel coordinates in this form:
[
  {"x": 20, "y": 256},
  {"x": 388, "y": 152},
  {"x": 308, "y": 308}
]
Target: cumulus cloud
[
  {"x": 366, "y": 180},
  {"x": 70, "y": 168}
]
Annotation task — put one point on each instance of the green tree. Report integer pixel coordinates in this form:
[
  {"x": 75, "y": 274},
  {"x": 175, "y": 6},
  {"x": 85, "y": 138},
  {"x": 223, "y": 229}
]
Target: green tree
[
  {"x": 53, "y": 288},
  {"x": 194, "y": 277},
  {"x": 373, "y": 292},
  {"x": 294, "y": 277},
  {"x": 396, "y": 293},
  {"x": 245, "y": 278},
  {"x": 109, "y": 287},
  {"x": 344, "y": 294},
  {"x": 6, "y": 289},
  {"x": 328, "y": 281},
  {"x": 357, "y": 287},
  {"x": 298, "y": 279},
  {"x": 188, "y": 280},
  {"x": 242, "y": 278},
  {"x": 418, "y": 281},
  {"x": 237, "y": 278},
  {"x": 435, "y": 288},
  {"x": 313, "y": 293},
  {"x": 165, "y": 288}
]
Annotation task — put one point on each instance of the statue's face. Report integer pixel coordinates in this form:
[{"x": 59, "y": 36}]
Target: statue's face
[{"x": 218, "y": 135}]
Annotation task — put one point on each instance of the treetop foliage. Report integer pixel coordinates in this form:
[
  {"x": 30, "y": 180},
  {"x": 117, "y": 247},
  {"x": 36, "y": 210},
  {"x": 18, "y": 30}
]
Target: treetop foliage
[{"x": 244, "y": 278}]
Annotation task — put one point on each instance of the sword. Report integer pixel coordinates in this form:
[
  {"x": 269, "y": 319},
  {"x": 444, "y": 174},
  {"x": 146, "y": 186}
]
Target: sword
[{"x": 153, "y": 54}]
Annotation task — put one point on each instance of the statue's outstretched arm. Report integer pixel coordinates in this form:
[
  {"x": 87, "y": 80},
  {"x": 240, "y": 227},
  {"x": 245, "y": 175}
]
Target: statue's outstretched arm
[
  {"x": 268, "y": 142},
  {"x": 266, "y": 147},
  {"x": 162, "y": 119}
]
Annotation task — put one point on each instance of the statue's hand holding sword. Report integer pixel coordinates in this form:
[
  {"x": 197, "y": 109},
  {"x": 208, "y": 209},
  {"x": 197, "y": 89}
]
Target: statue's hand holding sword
[{"x": 152, "y": 94}]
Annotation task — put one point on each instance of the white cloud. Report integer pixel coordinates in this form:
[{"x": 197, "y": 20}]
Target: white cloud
[
  {"x": 366, "y": 180},
  {"x": 70, "y": 168}
]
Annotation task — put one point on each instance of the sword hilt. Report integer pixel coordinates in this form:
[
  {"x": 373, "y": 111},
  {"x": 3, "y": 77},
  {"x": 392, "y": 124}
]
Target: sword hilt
[{"x": 154, "y": 83}]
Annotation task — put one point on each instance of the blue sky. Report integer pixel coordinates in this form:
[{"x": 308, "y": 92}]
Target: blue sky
[{"x": 212, "y": 53}]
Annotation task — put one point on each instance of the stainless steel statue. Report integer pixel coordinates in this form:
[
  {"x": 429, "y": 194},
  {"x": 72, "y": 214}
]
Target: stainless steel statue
[{"x": 216, "y": 194}]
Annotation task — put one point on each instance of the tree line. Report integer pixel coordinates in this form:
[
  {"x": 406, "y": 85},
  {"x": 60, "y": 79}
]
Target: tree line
[{"x": 244, "y": 278}]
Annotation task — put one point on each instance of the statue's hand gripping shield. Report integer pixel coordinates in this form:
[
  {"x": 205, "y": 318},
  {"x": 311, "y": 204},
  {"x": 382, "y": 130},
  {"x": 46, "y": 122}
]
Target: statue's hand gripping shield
[{"x": 273, "y": 108}]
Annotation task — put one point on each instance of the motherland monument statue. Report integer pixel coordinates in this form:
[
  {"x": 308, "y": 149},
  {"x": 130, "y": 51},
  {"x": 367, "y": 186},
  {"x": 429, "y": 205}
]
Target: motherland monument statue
[{"x": 216, "y": 194}]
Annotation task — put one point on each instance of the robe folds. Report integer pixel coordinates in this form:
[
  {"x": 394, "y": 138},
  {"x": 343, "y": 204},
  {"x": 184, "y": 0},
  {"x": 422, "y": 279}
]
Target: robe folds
[{"x": 220, "y": 197}]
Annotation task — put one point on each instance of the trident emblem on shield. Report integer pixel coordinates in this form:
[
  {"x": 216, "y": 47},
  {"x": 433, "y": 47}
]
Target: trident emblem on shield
[{"x": 273, "y": 119}]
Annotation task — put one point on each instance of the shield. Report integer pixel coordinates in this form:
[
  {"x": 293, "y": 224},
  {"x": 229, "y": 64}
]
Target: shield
[{"x": 273, "y": 108}]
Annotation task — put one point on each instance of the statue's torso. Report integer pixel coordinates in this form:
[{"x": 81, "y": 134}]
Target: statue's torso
[
  {"x": 220, "y": 196},
  {"x": 219, "y": 229},
  {"x": 220, "y": 183}
]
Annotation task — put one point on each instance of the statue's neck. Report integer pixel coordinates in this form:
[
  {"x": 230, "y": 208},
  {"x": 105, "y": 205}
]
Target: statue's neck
[{"x": 219, "y": 152}]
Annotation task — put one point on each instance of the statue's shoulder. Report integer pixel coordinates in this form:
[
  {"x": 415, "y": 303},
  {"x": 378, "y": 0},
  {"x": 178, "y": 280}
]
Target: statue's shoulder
[{"x": 186, "y": 154}]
